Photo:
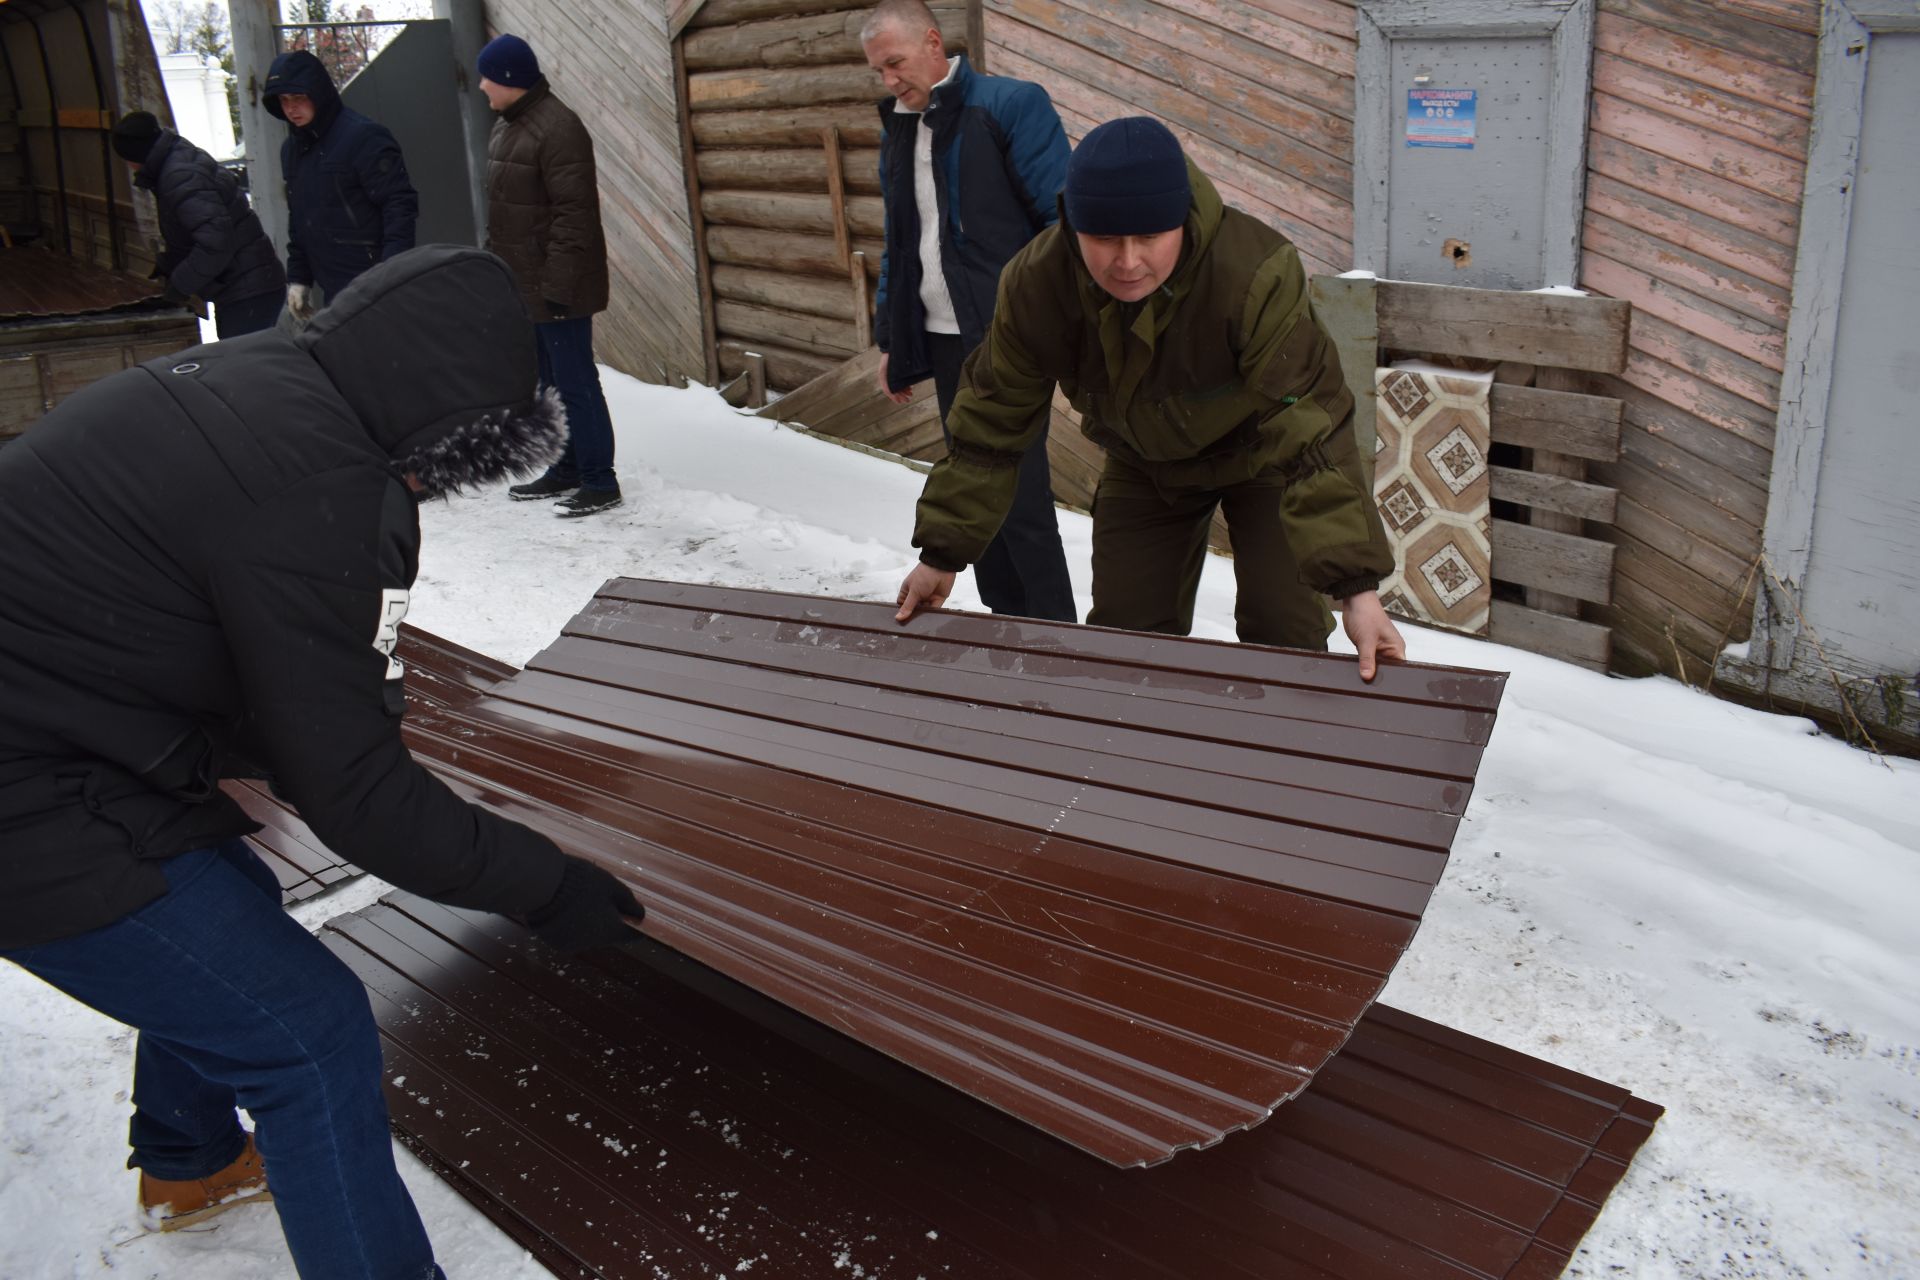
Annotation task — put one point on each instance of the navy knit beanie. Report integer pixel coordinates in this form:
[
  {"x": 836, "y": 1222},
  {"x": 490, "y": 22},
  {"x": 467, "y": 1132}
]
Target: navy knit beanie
[
  {"x": 1128, "y": 177},
  {"x": 134, "y": 135},
  {"x": 509, "y": 60}
]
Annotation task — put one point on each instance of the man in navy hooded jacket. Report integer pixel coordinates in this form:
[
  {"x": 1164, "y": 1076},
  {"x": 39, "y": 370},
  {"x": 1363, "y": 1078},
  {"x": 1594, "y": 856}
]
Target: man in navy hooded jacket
[
  {"x": 971, "y": 167},
  {"x": 349, "y": 201}
]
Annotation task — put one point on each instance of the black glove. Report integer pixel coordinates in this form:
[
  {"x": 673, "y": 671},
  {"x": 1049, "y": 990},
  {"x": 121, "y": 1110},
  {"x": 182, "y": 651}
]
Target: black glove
[
  {"x": 589, "y": 909},
  {"x": 558, "y": 310}
]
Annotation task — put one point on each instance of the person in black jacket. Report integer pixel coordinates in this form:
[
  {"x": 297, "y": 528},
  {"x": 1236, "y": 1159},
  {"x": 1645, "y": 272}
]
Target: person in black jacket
[
  {"x": 971, "y": 167},
  {"x": 208, "y": 557},
  {"x": 349, "y": 201},
  {"x": 216, "y": 248}
]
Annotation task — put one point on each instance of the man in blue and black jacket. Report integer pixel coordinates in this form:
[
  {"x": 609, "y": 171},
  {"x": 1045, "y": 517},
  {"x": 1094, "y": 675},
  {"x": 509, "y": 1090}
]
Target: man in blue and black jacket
[
  {"x": 350, "y": 203},
  {"x": 971, "y": 166}
]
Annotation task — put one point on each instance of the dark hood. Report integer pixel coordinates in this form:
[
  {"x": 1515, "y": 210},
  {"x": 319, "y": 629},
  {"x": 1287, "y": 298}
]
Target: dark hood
[
  {"x": 434, "y": 353},
  {"x": 299, "y": 71}
]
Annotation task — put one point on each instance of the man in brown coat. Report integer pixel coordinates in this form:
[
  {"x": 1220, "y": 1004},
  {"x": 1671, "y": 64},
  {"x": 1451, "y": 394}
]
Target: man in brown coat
[{"x": 543, "y": 218}]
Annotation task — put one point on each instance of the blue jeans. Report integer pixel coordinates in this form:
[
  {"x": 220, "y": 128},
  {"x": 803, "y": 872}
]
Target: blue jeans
[
  {"x": 236, "y": 1004},
  {"x": 566, "y": 363}
]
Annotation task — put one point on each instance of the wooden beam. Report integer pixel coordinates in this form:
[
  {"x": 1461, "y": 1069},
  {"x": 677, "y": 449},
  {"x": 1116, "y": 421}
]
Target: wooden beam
[
  {"x": 1561, "y": 421},
  {"x": 721, "y": 13},
  {"x": 780, "y": 87},
  {"x": 858, "y": 122},
  {"x": 787, "y": 292},
  {"x": 785, "y": 211},
  {"x": 837, "y": 193},
  {"x": 1554, "y": 493},
  {"x": 829, "y": 339},
  {"x": 1549, "y": 467},
  {"x": 832, "y": 393},
  {"x": 1585, "y": 644},
  {"x": 786, "y": 369},
  {"x": 792, "y": 252},
  {"x": 1558, "y": 562},
  {"x": 862, "y": 301},
  {"x": 680, "y": 14},
  {"x": 788, "y": 169},
  {"x": 1561, "y": 330}
]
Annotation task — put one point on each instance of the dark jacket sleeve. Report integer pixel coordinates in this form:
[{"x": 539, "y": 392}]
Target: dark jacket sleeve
[
  {"x": 1327, "y": 509},
  {"x": 383, "y": 176},
  {"x": 1002, "y": 407},
  {"x": 882, "y": 321},
  {"x": 573, "y": 200},
  {"x": 309, "y": 597},
  {"x": 1037, "y": 150},
  {"x": 299, "y": 271},
  {"x": 198, "y": 205}
]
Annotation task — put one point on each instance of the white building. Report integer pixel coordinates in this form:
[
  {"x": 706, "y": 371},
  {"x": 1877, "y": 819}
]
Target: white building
[{"x": 197, "y": 88}]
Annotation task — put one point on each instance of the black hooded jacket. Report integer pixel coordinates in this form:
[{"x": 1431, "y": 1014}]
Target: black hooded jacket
[
  {"x": 350, "y": 203},
  {"x": 215, "y": 247},
  {"x": 207, "y": 558}
]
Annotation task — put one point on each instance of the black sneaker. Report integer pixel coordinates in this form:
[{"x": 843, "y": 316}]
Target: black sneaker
[
  {"x": 585, "y": 502},
  {"x": 550, "y": 485}
]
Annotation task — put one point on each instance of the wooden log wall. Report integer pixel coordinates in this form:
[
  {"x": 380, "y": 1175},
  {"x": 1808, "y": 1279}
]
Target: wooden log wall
[
  {"x": 1696, "y": 161},
  {"x": 611, "y": 61},
  {"x": 1260, "y": 93},
  {"x": 784, "y": 131}
]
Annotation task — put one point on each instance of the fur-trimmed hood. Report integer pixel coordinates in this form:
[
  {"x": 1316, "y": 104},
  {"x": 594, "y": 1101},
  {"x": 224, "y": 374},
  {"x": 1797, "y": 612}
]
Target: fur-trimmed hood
[{"x": 434, "y": 354}]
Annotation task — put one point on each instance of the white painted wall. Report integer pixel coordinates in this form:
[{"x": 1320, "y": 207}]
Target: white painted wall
[{"x": 197, "y": 89}]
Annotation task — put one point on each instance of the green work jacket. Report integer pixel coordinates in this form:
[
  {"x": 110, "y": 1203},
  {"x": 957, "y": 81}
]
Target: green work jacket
[{"x": 1220, "y": 375}]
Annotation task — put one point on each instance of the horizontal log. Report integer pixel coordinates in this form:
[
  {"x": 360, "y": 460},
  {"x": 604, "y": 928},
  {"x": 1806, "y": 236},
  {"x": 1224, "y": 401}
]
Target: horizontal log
[
  {"x": 787, "y": 169},
  {"x": 1557, "y": 562},
  {"x": 803, "y": 87},
  {"x": 1490, "y": 324},
  {"x": 789, "y": 251},
  {"x": 808, "y": 294},
  {"x": 796, "y": 331},
  {"x": 1584, "y": 644},
  {"x": 1559, "y": 494},
  {"x": 805, "y": 40},
  {"x": 1557, "y": 421},
  {"x": 858, "y": 123},
  {"x": 791, "y": 212},
  {"x": 721, "y": 13},
  {"x": 786, "y": 369}
]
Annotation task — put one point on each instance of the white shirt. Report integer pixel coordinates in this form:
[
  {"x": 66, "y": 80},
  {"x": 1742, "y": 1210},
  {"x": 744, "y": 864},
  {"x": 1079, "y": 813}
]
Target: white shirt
[{"x": 933, "y": 280}]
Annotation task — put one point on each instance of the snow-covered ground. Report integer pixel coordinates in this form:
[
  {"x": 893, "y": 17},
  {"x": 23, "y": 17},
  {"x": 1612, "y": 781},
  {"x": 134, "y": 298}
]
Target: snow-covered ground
[{"x": 1713, "y": 907}]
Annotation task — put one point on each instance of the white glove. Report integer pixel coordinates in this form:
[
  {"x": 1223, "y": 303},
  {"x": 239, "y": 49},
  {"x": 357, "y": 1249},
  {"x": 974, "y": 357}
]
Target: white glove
[{"x": 300, "y": 302}]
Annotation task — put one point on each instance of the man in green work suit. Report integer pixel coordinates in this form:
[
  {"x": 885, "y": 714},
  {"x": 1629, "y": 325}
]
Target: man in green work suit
[{"x": 1181, "y": 331}]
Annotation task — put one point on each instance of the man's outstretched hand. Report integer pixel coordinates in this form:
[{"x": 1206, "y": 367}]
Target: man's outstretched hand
[
  {"x": 926, "y": 586},
  {"x": 1371, "y": 630}
]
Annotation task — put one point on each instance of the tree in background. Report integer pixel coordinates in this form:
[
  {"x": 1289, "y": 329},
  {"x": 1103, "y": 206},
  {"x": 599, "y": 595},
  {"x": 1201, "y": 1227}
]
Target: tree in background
[{"x": 182, "y": 27}]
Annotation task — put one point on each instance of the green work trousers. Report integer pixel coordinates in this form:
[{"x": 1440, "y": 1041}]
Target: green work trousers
[{"x": 1150, "y": 542}]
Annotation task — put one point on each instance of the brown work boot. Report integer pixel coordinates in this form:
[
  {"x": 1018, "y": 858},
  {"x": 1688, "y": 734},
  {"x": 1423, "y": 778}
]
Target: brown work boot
[{"x": 172, "y": 1205}]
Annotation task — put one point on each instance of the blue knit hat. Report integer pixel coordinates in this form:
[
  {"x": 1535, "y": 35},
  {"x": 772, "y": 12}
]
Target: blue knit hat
[
  {"x": 509, "y": 60},
  {"x": 1128, "y": 177}
]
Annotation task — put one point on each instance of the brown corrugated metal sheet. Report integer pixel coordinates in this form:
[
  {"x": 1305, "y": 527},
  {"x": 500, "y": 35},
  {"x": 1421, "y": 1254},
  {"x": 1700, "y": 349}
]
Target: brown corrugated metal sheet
[
  {"x": 1133, "y": 890},
  {"x": 635, "y": 1114}
]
